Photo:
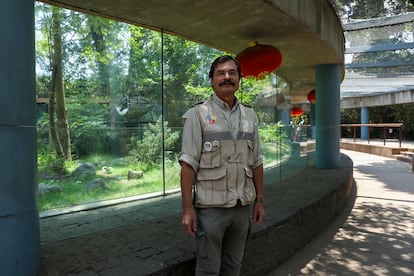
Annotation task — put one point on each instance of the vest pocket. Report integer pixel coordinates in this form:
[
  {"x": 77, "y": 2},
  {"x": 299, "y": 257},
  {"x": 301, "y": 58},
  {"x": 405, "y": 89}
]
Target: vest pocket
[
  {"x": 212, "y": 187},
  {"x": 250, "y": 146},
  {"x": 210, "y": 155},
  {"x": 249, "y": 191}
]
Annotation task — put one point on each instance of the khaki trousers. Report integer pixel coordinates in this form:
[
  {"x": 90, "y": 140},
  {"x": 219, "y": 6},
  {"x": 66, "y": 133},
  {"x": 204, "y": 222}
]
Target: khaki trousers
[{"x": 221, "y": 239}]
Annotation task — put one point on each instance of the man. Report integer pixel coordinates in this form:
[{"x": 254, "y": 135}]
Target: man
[{"x": 221, "y": 162}]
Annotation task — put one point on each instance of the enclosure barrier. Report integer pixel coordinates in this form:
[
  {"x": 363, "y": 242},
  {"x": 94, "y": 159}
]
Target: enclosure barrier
[{"x": 385, "y": 126}]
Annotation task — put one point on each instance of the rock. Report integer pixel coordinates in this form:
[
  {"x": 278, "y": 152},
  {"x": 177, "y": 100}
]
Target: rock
[
  {"x": 46, "y": 189},
  {"x": 135, "y": 174},
  {"x": 85, "y": 169},
  {"x": 97, "y": 183},
  {"x": 107, "y": 170}
]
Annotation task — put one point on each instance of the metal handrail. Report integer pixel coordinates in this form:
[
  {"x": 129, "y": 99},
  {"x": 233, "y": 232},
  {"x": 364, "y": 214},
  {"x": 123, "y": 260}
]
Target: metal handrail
[{"x": 386, "y": 126}]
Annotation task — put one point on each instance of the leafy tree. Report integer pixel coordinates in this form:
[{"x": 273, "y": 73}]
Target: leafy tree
[
  {"x": 103, "y": 45},
  {"x": 183, "y": 65},
  {"x": 91, "y": 136},
  {"x": 144, "y": 64},
  {"x": 402, "y": 113}
]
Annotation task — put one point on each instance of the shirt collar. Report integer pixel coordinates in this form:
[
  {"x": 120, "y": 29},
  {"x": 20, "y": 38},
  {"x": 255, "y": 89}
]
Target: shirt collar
[{"x": 222, "y": 104}]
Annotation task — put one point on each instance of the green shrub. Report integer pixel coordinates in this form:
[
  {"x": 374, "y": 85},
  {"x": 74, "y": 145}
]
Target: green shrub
[
  {"x": 272, "y": 133},
  {"x": 149, "y": 149}
]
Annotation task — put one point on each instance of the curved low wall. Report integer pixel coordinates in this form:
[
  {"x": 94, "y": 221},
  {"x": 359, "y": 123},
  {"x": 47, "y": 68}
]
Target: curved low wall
[
  {"x": 372, "y": 149},
  {"x": 311, "y": 200}
]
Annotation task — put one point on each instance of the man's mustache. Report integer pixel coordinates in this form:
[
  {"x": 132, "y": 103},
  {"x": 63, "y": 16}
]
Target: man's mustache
[{"x": 227, "y": 82}]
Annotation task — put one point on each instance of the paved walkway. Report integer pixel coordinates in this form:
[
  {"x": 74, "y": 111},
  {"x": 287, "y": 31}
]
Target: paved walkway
[{"x": 374, "y": 235}]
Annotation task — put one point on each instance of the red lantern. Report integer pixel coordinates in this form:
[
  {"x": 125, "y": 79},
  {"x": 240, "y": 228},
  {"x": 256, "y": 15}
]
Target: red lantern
[
  {"x": 312, "y": 96},
  {"x": 296, "y": 111},
  {"x": 259, "y": 60}
]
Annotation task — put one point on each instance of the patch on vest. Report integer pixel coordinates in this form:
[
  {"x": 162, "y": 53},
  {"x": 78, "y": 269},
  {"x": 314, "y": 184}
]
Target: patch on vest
[
  {"x": 208, "y": 146},
  {"x": 211, "y": 119}
]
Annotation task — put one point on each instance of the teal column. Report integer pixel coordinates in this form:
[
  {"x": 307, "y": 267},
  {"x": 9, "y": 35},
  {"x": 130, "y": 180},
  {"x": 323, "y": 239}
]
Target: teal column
[
  {"x": 328, "y": 116},
  {"x": 19, "y": 219},
  {"x": 283, "y": 116},
  {"x": 312, "y": 120},
  {"x": 364, "y": 120}
]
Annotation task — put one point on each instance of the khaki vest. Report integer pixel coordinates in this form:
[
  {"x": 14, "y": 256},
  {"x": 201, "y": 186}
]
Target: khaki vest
[{"x": 225, "y": 175}]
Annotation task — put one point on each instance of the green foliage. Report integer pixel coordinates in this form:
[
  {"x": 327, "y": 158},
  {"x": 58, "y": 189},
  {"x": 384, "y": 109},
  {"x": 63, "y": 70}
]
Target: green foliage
[
  {"x": 251, "y": 88},
  {"x": 48, "y": 162},
  {"x": 275, "y": 143},
  {"x": 156, "y": 137},
  {"x": 199, "y": 93},
  {"x": 402, "y": 113},
  {"x": 74, "y": 191},
  {"x": 272, "y": 132},
  {"x": 405, "y": 114},
  {"x": 365, "y": 9},
  {"x": 350, "y": 116},
  {"x": 186, "y": 66},
  {"x": 89, "y": 131}
]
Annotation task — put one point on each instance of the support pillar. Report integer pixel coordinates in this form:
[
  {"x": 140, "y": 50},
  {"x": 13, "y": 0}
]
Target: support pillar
[
  {"x": 19, "y": 218},
  {"x": 283, "y": 116},
  {"x": 364, "y": 120},
  {"x": 312, "y": 120},
  {"x": 327, "y": 116}
]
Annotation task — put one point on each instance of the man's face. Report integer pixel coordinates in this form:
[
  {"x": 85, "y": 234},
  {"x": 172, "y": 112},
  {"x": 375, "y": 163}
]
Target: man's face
[{"x": 225, "y": 79}]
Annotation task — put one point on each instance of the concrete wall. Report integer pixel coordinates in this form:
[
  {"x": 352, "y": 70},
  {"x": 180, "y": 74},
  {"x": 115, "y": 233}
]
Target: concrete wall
[
  {"x": 378, "y": 100},
  {"x": 372, "y": 149},
  {"x": 272, "y": 245}
]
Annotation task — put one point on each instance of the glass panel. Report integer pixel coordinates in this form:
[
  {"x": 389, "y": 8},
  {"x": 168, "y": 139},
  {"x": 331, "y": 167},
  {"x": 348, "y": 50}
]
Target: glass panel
[
  {"x": 119, "y": 93},
  {"x": 102, "y": 139}
]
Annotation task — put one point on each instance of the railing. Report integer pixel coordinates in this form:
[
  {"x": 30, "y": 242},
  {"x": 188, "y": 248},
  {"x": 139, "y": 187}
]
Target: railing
[{"x": 385, "y": 126}]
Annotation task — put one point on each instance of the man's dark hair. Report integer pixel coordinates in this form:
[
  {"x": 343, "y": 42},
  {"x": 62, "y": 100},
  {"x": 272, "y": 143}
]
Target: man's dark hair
[{"x": 222, "y": 59}]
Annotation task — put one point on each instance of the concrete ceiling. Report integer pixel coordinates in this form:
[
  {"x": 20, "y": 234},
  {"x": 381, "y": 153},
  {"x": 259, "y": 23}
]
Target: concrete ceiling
[{"x": 306, "y": 32}]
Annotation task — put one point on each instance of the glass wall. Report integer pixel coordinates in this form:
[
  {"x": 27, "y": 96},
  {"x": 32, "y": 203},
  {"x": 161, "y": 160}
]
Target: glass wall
[{"x": 110, "y": 97}]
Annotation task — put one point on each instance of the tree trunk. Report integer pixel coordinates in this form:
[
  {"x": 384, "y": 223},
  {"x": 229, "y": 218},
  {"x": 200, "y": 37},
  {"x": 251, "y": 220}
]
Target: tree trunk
[
  {"x": 51, "y": 111},
  {"x": 62, "y": 131}
]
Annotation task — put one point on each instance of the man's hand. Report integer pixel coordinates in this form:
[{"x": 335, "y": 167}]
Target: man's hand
[
  {"x": 189, "y": 221},
  {"x": 258, "y": 212}
]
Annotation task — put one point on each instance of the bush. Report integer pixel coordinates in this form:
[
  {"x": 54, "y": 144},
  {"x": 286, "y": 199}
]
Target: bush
[
  {"x": 149, "y": 149},
  {"x": 272, "y": 133}
]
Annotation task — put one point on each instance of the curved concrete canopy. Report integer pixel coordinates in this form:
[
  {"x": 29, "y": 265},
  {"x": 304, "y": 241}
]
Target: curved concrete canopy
[{"x": 307, "y": 33}]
